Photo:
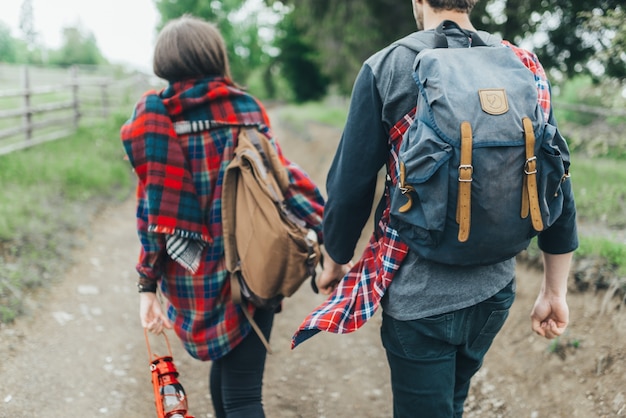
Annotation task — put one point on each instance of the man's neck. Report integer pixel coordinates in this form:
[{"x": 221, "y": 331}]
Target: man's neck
[{"x": 433, "y": 19}]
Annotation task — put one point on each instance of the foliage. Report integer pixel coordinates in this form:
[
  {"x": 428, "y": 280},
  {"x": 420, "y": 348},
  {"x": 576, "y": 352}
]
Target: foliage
[
  {"x": 43, "y": 195},
  {"x": 266, "y": 85},
  {"x": 600, "y": 189},
  {"x": 8, "y": 50},
  {"x": 591, "y": 116},
  {"x": 614, "y": 253},
  {"x": 86, "y": 165},
  {"x": 561, "y": 345},
  {"x": 343, "y": 34},
  {"x": 247, "y": 50},
  {"x": 298, "y": 60},
  {"x": 27, "y": 23},
  {"x": 578, "y": 90},
  {"x": 611, "y": 37},
  {"x": 555, "y": 28},
  {"x": 79, "y": 47},
  {"x": 331, "y": 111}
]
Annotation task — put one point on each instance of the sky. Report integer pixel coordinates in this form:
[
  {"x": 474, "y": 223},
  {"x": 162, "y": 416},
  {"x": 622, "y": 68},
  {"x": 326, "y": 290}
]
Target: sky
[{"x": 124, "y": 29}]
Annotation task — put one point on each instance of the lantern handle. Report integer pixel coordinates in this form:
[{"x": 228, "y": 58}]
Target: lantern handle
[{"x": 167, "y": 342}]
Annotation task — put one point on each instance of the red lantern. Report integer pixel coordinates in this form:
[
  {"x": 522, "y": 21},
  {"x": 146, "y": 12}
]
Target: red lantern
[{"x": 169, "y": 395}]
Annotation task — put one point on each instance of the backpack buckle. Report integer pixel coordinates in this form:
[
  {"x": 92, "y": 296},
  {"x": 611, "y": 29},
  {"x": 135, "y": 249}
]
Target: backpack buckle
[
  {"x": 465, "y": 173},
  {"x": 530, "y": 166}
]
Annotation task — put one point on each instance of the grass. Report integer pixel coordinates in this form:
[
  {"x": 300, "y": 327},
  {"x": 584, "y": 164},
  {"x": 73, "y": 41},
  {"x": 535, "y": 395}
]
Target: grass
[
  {"x": 47, "y": 192},
  {"x": 332, "y": 111},
  {"x": 87, "y": 165},
  {"x": 600, "y": 190},
  {"x": 614, "y": 253}
]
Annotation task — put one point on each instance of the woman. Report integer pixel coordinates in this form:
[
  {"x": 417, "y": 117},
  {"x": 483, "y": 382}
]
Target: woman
[{"x": 178, "y": 205}]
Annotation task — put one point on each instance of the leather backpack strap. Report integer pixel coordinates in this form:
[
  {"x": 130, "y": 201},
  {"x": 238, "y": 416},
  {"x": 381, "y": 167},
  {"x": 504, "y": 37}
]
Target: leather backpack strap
[
  {"x": 406, "y": 189},
  {"x": 235, "y": 292},
  {"x": 270, "y": 158},
  {"x": 530, "y": 195},
  {"x": 464, "y": 200}
]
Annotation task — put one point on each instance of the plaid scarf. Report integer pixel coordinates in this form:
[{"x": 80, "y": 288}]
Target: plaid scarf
[
  {"x": 157, "y": 157},
  {"x": 358, "y": 295}
]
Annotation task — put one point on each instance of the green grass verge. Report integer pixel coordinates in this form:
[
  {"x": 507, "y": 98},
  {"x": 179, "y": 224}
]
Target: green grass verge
[
  {"x": 332, "y": 111},
  {"x": 614, "y": 253},
  {"x": 600, "y": 190},
  {"x": 87, "y": 165},
  {"x": 47, "y": 192}
]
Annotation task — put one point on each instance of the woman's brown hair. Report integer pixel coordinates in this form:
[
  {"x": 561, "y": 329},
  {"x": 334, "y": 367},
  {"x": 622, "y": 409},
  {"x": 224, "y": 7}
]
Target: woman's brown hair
[{"x": 189, "y": 47}]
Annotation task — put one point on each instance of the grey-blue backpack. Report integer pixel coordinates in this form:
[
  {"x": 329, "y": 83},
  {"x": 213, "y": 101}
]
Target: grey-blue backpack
[{"x": 481, "y": 169}]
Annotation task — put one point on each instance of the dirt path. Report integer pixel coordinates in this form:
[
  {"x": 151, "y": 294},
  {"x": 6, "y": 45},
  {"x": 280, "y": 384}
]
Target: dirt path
[{"x": 80, "y": 351}]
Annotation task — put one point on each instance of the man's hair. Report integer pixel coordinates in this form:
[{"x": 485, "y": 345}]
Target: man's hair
[
  {"x": 189, "y": 47},
  {"x": 464, "y": 6}
]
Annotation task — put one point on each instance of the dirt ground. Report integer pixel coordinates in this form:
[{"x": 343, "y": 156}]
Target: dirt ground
[{"x": 80, "y": 350}]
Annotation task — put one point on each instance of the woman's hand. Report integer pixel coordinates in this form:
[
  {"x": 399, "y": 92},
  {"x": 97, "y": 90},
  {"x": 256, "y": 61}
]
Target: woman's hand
[
  {"x": 331, "y": 275},
  {"x": 151, "y": 314}
]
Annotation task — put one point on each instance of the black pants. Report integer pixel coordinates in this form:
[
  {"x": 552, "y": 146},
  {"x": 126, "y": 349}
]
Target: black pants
[{"x": 236, "y": 380}]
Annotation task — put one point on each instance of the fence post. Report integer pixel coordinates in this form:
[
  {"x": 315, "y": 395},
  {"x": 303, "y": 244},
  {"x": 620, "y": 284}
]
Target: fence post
[
  {"x": 28, "y": 114},
  {"x": 105, "y": 99},
  {"x": 74, "y": 84}
]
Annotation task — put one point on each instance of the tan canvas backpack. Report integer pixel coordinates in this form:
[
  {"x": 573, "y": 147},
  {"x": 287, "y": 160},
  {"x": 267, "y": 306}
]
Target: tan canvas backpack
[{"x": 269, "y": 251}]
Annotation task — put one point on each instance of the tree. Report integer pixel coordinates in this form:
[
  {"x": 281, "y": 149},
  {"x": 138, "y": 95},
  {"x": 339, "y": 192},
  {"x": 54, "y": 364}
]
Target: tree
[
  {"x": 33, "y": 53},
  {"x": 298, "y": 61},
  {"x": 27, "y": 23},
  {"x": 610, "y": 45},
  {"x": 8, "y": 51},
  {"x": 79, "y": 47},
  {"x": 344, "y": 33},
  {"x": 245, "y": 50},
  {"x": 557, "y": 30}
]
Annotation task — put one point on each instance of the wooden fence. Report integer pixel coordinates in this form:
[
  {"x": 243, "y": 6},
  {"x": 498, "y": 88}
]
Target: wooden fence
[{"x": 35, "y": 113}]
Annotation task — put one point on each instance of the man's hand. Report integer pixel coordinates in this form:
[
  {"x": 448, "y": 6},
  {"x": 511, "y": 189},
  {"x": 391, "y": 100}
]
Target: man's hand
[
  {"x": 550, "y": 315},
  {"x": 151, "y": 314},
  {"x": 331, "y": 275}
]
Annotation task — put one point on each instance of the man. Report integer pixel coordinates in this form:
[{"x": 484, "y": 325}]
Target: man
[{"x": 438, "y": 320}]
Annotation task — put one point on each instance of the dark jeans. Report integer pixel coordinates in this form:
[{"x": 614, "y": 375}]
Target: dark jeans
[
  {"x": 236, "y": 380},
  {"x": 433, "y": 359}
]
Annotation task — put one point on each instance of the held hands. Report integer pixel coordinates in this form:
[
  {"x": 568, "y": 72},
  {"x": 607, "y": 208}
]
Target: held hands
[
  {"x": 151, "y": 314},
  {"x": 332, "y": 274}
]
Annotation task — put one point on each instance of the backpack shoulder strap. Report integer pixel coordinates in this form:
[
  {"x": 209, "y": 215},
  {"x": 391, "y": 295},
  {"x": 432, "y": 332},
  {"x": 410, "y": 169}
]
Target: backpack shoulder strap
[
  {"x": 270, "y": 157},
  {"x": 418, "y": 41},
  {"x": 428, "y": 39}
]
